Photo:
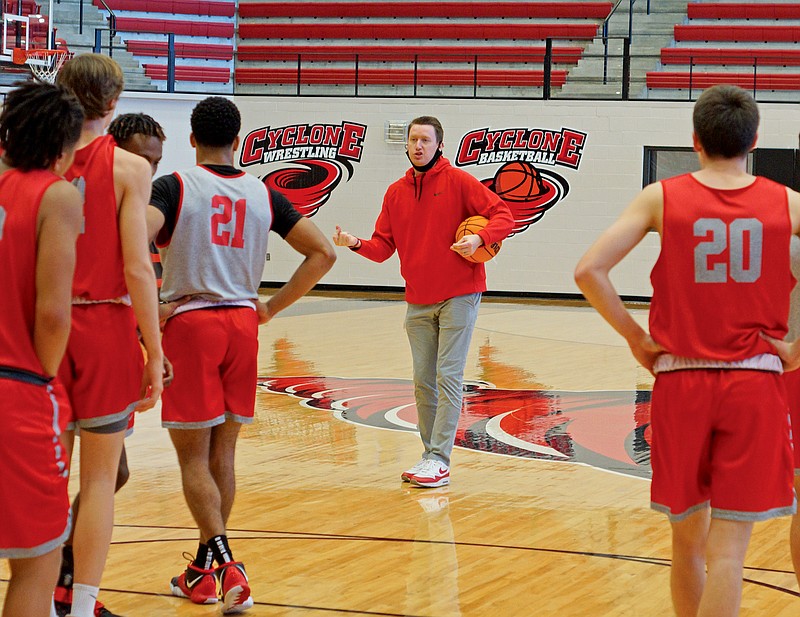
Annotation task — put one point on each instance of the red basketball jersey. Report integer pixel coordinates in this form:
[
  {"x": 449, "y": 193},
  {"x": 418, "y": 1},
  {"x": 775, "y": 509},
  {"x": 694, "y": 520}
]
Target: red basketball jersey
[
  {"x": 20, "y": 196},
  {"x": 98, "y": 269},
  {"x": 723, "y": 275}
]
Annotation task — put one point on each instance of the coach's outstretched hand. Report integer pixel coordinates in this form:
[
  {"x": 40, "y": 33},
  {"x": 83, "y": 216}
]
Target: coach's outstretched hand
[{"x": 342, "y": 238}]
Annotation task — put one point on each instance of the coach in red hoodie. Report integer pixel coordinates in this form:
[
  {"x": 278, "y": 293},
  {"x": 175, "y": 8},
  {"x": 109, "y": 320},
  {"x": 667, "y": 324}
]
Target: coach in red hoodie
[{"x": 420, "y": 214}]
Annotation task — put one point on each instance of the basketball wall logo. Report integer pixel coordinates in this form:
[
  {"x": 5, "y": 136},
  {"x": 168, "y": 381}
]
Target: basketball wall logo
[
  {"x": 529, "y": 190},
  {"x": 319, "y": 156}
]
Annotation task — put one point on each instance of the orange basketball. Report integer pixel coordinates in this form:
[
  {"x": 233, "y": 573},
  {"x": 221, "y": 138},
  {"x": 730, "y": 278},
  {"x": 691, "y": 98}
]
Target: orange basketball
[
  {"x": 518, "y": 181},
  {"x": 473, "y": 225}
]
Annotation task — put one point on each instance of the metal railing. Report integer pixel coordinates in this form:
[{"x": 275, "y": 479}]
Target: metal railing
[{"x": 533, "y": 73}]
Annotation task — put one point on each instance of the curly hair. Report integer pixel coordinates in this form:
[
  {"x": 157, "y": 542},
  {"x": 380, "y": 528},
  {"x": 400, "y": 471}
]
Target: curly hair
[
  {"x": 38, "y": 122},
  {"x": 125, "y": 126},
  {"x": 96, "y": 80},
  {"x": 215, "y": 122}
]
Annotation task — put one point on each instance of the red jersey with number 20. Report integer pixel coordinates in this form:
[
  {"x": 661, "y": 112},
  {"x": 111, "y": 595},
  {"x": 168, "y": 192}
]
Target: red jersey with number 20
[
  {"x": 723, "y": 275},
  {"x": 20, "y": 197},
  {"x": 99, "y": 267}
]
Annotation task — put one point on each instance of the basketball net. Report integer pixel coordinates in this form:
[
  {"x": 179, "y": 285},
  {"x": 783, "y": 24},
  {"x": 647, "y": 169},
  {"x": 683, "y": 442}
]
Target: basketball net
[{"x": 45, "y": 63}]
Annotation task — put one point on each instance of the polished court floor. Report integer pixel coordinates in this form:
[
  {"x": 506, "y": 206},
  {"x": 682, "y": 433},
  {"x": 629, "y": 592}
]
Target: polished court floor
[{"x": 547, "y": 513}]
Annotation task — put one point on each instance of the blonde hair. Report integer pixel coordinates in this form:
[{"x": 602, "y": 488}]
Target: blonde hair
[{"x": 96, "y": 80}]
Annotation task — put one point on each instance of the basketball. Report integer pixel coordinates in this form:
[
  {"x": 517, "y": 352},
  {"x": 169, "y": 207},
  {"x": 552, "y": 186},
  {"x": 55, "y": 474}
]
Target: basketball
[
  {"x": 518, "y": 181},
  {"x": 473, "y": 225}
]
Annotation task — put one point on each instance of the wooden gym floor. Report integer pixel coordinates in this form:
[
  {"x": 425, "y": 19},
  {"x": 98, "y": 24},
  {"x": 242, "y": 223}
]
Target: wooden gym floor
[{"x": 548, "y": 508}]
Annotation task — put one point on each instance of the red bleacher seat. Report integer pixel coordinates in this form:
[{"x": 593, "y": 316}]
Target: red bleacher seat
[
  {"x": 742, "y": 10},
  {"x": 585, "y": 10},
  {"x": 182, "y": 50},
  {"x": 25, "y": 7},
  {"x": 164, "y": 26},
  {"x": 414, "y": 31},
  {"x": 765, "y": 34},
  {"x": 388, "y": 53},
  {"x": 422, "y": 77},
  {"x": 187, "y": 7},
  {"x": 728, "y": 56},
  {"x": 189, "y": 73},
  {"x": 699, "y": 81}
]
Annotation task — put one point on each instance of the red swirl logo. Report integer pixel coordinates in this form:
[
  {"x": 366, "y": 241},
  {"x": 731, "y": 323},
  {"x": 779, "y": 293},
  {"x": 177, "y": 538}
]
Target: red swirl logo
[{"x": 308, "y": 185}]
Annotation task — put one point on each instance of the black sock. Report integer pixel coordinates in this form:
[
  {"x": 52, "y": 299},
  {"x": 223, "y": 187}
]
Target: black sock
[
  {"x": 219, "y": 547},
  {"x": 203, "y": 560},
  {"x": 67, "y": 567}
]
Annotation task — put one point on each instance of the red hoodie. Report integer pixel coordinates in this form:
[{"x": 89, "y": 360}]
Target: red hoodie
[{"x": 419, "y": 218}]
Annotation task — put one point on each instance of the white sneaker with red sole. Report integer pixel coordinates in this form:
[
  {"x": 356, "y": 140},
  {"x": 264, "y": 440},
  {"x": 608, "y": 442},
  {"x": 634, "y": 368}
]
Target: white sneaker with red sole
[{"x": 431, "y": 474}]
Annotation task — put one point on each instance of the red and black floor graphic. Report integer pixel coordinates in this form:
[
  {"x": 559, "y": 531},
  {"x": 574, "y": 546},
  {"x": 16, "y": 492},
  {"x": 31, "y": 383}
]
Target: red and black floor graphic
[{"x": 607, "y": 430}]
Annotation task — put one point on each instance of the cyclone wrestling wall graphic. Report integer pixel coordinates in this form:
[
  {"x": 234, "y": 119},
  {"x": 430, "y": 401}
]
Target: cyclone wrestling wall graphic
[
  {"x": 528, "y": 189},
  {"x": 318, "y": 157},
  {"x": 608, "y": 430}
]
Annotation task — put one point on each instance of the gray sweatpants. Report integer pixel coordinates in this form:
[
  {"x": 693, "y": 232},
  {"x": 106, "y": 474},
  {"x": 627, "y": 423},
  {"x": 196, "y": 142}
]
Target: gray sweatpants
[{"x": 439, "y": 335}]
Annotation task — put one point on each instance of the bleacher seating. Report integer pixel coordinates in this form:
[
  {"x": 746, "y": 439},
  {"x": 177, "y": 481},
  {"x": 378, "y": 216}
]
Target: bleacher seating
[
  {"x": 208, "y": 8},
  {"x": 733, "y": 42},
  {"x": 699, "y": 81},
  {"x": 190, "y": 73},
  {"x": 483, "y": 10},
  {"x": 204, "y": 39},
  {"x": 420, "y": 43},
  {"x": 175, "y": 26},
  {"x": 422, "y": 77},
  {"x": 430, "y": 31},
  {"x": 182, "y": 50},
  {"x": 431, "y": 53}
]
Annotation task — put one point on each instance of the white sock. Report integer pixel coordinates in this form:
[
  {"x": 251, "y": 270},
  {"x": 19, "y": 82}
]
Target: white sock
[
  {"x": 53, "y": 608},
  {"x": 83, "y": 599}
]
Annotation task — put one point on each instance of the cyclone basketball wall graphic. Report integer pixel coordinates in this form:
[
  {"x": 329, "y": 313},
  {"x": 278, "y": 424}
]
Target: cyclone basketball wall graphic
[
  {"x": 525, "y": 185},
  {"x": 317, "y": 157}
]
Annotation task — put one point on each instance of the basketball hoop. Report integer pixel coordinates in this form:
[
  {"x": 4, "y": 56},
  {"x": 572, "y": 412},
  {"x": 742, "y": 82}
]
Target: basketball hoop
[{"x": 45, "y": 63}]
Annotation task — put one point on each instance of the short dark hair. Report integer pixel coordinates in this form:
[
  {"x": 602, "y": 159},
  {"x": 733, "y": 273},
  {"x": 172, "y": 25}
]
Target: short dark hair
[
  {"x": 725, "y": 121},
  {"x": 38, "y": 122},
  {"x": 215, "y": 122},
  {"x": 429, "y": 121},
  {"x": 125, "y": 126},
  {"x": 96, "y": 80}
]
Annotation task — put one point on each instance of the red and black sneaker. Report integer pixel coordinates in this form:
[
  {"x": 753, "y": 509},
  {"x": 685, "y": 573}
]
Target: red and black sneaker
[
  {"x": 234, "y": 588},
  {"x": 199, "y": 586}
]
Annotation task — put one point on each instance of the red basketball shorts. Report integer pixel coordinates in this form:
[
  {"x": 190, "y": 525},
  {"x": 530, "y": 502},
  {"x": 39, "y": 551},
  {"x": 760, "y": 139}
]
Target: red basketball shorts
[
  {"x": 102, "y": 369},
  {"x": 721, "y": 437},
  {"x": 33, "y": 472},
  {"x": 214, "y": 353},
  {"x": 792, "y": 381}
]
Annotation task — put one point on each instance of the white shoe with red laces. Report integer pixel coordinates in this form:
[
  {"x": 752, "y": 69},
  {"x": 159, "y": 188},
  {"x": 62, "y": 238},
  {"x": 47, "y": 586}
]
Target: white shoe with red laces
[{"x": 431, "y": 474}]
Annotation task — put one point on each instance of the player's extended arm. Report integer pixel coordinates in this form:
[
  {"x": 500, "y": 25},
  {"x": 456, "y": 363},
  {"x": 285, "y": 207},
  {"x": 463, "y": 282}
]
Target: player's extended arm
[
  {"x": 309, "y": 241},
  {"x": 132, "y": 179},
  {"x": 593, "y": 269},
  {"x": 59, "y": 224}
]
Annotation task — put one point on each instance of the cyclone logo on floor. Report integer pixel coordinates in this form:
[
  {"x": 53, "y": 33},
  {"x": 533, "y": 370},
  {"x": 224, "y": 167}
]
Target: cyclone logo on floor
[
  {"x": 608, "y": 430},
  {"x": 308, "y": 184},
  {"x": 528, "y": 191}
]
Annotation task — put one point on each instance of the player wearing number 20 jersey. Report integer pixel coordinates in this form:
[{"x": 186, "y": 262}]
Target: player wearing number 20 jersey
[{"x": 719, "y": 259}]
